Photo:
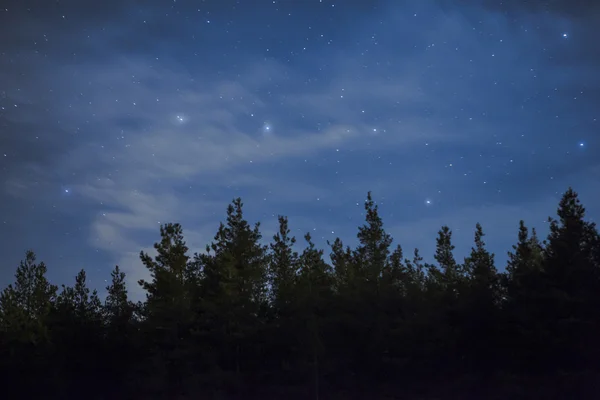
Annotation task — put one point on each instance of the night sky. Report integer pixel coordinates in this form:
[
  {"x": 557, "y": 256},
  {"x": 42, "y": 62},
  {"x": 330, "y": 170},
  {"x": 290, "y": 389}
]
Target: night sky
[{"x": 117, "y": 116}]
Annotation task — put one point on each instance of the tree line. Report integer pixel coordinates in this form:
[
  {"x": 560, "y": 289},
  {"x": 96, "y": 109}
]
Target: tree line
[{"x": 245, "y": 319}]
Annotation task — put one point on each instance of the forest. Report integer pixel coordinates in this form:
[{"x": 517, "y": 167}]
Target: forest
[{"x": 253, "y": 318}]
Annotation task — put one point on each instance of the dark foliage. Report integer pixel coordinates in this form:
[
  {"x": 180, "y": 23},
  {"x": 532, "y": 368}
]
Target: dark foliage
[{"x": 245, "y": 320}]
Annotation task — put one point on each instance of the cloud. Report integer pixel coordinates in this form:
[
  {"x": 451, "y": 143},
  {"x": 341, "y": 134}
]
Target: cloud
[
  {"x": 139, "y": 170},
  {"x": 167, "y": 130}
]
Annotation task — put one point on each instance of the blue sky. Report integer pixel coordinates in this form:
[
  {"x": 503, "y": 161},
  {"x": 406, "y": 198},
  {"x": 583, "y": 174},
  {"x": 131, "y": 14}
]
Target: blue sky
[{"x": 115, "y": 119}]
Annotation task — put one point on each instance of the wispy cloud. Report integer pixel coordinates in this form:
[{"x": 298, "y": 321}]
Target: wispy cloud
[
  {"x": 152, "y": 122},
  {"x": 159, "y": 131}
]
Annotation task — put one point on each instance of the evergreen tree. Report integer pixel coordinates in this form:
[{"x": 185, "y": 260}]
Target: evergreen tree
[
  {"x": 374, "y": 246},
  {"x": 120, "y": 333},
  {"x": 524, "y": 302},
  {"x": 346, "y": 286},
  {"x": 395, "y": 275},
  {"x": 573, "y": 281},
  {"x": 267, "y": 322},
  {"x": 83, "y": 304},
  {"x": 526, "y": 257},
  {"x": 284, "y": 265},
  {"x": 78, "y": 333},
  {"x": 384, "y": 280},
  {"x": 316, "y": 290},
  {"x": 26, "y": 304},
  {"x": 118, "y": 310},
  {"x": 525, "y": 264},
  {"x": 450, "y": 275},
  {"x": 481, "y": 305},
  {"x": 283, "y": 269},
  {"x": 168, "y": 312},
  {"x": 344, "y": 268},
  {"x": 234, "y": 287},
  {"x": 167, "y": 270},
  {"x": 416, "y": 271},
  {"x": 569, "y": 254},
  {"x": 25, "y": 330},
  {"x": 446, "y": 287},
  {"x": 481, "y": 273},
  {"x": 416, "y": 332}
]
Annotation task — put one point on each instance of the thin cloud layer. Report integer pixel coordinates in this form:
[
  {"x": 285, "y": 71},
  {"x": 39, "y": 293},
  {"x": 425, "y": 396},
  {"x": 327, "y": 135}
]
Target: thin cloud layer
[{"x": 166, "y": 112}]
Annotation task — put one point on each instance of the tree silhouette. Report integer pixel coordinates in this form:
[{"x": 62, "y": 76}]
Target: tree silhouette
[
  {"x": 249, "y": 319},
  {"x": 25, "y": 339}
]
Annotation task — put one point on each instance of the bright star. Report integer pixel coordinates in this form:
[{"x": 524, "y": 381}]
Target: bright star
[
  {"x": 267, "y": 128},
  {"x": 565, "y": 35},
  {"x": 180, "y": 118}
]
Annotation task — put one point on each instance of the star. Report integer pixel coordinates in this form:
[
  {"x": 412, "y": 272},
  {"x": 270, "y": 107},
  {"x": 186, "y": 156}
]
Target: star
[
  {"x": 332, "y": 111},
  {"x": 267, "y": 128}
]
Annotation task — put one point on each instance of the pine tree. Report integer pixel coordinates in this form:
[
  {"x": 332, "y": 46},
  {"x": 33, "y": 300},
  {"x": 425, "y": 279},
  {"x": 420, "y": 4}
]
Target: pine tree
[
  {"x": 481, "y": 305},
  {"x": 167, "y": 269},
  {"x": 569, "y": 253},
  {"x": 524, "y": 264},
  {"x": 284, "y": 265},
  {"x": 84, "y": 303},
  {"x": 26, "y": 347},
  {"x": 451, "y": 275},
  {"x": 446, "y": 284},
  {"x": 415, "y": 331},
  {"x": 26, "y": 304},
  {"x": 244, "y": 314},
  {"x": 118, "y": 310},
  {"x": 234, "y": 287},
  {"x": 346, "y": 285},
  {"x": 344, "y": 268},
  {"x": 416, "y": 269},
  {"x": 396, "y": 277},
  {"x": 573, "y": 281},
  {"x": 374, "y": 246},
  {"x": 283, "y": 268},
  {"x": 416, "y": 286},
  {"x": 168, "y": 311},
  {"x": 481, "y": 272},
  {"x": 526, "y": 253},
  {"x": 316, "y": 284},
  {"x": 315, "y": 274},
  {"x": 382, "y": 291},
  {"x": 118, "y": 314},
  {"x": 239, "y": 258},
  {"x": 524, "y": 302},
  {"x": 78, "y": 333}
]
